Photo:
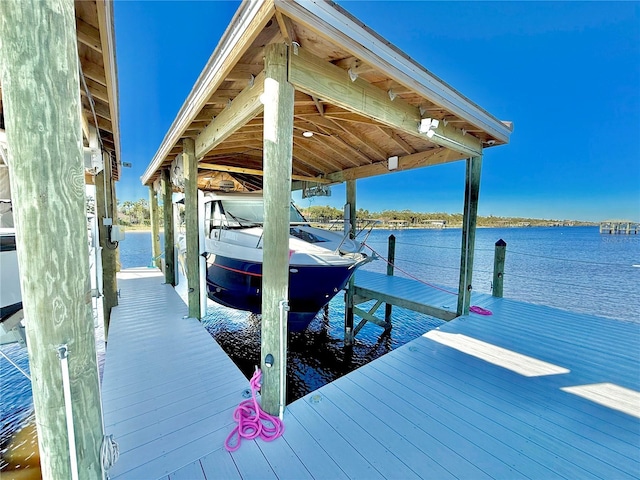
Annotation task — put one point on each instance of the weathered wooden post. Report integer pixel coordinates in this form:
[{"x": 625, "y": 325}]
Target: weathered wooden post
[
  {"x": 41, "y": 100},
  {"x": 498, "y": 267},
  {"x": 391, "y": 258},
  {"x": 348, "y": 302},
  {"x": 105, "y": 219},
  {"x": 278, "y": 100},
  {"x": 167, "y": 205},
  {"x": 155, "y": 226},
  {"x": 471, "y": 194},
  {"x": 192, "y": 225}
]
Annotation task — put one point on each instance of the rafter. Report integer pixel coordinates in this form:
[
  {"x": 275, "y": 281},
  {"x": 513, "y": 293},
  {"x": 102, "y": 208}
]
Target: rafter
[
  {"x": 88, "y": 35},
  {"x": 317, "y": 77},
  {"x": 243, "y": 108},
  {"x": 286, "y": 28},
  {"x": 251, "y": 171},
  {"x": 351, "y": 138},
  {"x": 430, "y": 157},
  {"x": 397, "y": 140}
]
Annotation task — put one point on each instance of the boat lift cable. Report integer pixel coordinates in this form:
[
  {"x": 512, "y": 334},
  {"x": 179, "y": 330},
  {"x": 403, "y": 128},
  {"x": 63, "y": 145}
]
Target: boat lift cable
[
  {"x": 15, "y": 365},
  {"x": 92, "y": 105},
  {"x": 408, "y": 274}
]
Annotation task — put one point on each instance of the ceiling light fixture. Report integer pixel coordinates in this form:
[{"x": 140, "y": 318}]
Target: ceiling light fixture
[{"x": 307, "y": 134}]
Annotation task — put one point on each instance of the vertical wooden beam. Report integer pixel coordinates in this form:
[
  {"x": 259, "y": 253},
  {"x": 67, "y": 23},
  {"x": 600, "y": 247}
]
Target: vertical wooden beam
[
  {"x": 471, "y": 194},
  {"x": 391, "y": 258},
  {"x": 155, "y": 226},
  {"x": 41, "y": 101},
  {"x": 348, "y": 307},
  {"x": 278, "y": 99},
  {"x": 498, "y": 268},
  {"x": 167, "y": 206},
  {"x": 104, "y": 208},
  {"x": 113, "y": 202},
  {"x": 110, "y": 283},
  {"x": 192, "y": 224}
]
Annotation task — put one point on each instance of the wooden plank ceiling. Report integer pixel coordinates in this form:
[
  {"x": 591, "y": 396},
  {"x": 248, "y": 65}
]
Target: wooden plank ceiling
[
  {"x": 352, "y": 137},
  {"x": 96, "y": 53}
]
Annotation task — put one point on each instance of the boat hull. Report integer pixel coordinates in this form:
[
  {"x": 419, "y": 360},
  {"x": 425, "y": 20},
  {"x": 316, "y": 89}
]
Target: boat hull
[
  {"x": 238, "y": 284},
  {"x": 10, "y": 293}
]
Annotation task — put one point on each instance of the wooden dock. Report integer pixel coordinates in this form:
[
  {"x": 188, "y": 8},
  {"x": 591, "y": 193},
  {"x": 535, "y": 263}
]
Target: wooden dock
[
  {"x": 528, "y": 392},
  {"x": 619, "y": 227}
]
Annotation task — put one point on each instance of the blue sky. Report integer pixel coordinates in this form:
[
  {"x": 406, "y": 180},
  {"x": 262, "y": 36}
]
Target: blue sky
[{"x": 566, "y": 73}]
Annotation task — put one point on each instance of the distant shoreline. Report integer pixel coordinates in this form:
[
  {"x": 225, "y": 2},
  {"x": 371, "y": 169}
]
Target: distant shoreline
[{"x": 136, "y": 229}]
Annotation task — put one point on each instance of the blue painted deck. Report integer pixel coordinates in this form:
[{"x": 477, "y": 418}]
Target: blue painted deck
[{"x": 529, "y": 392}]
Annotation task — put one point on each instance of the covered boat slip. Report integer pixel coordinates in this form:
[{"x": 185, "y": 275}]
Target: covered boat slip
[
  {"x": 528, "y": 392},
  {"x": 299, "y": 95}
]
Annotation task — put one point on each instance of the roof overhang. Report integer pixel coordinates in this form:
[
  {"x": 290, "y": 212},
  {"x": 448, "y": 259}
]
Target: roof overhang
[
  {"x": 362, "y": 100},
  {"x": 98, "y": 80}
]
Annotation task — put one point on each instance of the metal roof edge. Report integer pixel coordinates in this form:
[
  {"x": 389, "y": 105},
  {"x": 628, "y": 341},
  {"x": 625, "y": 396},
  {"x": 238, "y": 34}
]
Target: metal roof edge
[
  {"x": 371, "y": 48},
  {"x": 106, "y": 15},
  {"x": 245, "y": 14}
]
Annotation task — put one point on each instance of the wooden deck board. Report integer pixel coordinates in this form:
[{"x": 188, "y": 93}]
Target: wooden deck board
[
  {"x": 168, "y": 388},
  {"x": 449, "y": 404},
  {"x": 220, "y": 464}
]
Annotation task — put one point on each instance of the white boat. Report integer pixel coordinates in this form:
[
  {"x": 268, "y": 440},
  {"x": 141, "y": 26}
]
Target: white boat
[
  {"x": 321, "y": 262},
  {"x": 10, "y": 293}
]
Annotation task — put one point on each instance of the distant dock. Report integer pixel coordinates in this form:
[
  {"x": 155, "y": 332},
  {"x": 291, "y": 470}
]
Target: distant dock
[{"x": 619, "y": 227}]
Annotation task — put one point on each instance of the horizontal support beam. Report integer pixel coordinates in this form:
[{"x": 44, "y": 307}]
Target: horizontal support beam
[
  {"x": 375, "y": 53},
  {"x": 427, "y": 158},
  {"x": 251, "y": 171},
  {"x": 319, "y": 78},
  {"x": 408, "y": 304},
  {"x": 242, "y": 109},
  {"x": 455, "y": 139}
]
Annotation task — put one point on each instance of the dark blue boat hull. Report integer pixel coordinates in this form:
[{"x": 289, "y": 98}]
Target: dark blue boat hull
[{"x": 238, "y": 284}]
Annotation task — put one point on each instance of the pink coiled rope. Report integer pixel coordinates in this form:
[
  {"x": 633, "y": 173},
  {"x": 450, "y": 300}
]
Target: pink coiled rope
[
  {"x": 252, "y": 421},
  {"x": 480, "y": 310}
]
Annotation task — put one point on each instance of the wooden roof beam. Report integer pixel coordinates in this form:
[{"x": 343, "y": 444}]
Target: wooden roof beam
[
  {"x": 251, "y": 171},
  {"x": 350, "y": 136},
  {"x": 93, "y": 71},
  {"x": 397, "y": 140},
  {"x": 334, "y": 23},
  {"x": 88, "y": 35},
  {"x": 96, "y": 90},
  {"x": 242, "y": 109},
  {"x": 434, "y": 156},
  {"x": 317, "y": 77},
  {"x": 286, "y": 28},
  {"x": 303, "y": 152},
  {"x": 250, "y": 18}
]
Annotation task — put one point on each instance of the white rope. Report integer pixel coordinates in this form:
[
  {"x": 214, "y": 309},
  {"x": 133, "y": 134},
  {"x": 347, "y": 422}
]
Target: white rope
[
  {"x": 284, "y": 308},
  {"x": 109, "y": 452},
  {"x": 15, "y": 365},
  {"x": 66, "y": 386}
]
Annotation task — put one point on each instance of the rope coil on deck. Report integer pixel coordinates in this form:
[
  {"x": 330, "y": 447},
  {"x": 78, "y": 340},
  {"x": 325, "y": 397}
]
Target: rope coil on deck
[{"x": 252, "y": 421}]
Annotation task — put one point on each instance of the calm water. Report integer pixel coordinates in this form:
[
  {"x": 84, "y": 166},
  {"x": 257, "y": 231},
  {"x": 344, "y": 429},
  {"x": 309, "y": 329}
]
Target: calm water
[{"x": 574, "y": 269}]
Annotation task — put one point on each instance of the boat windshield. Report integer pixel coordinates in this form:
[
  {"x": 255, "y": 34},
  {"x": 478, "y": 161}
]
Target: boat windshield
[{"x": 251, "y": 212}]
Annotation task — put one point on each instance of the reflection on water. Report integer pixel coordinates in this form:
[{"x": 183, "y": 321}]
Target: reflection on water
[
  {"x": 20, "y": 455},
  {"x": 316, "y": 356}
]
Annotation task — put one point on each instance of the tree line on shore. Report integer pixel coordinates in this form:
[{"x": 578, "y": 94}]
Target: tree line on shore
[{"x": 137, "y": 214}]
